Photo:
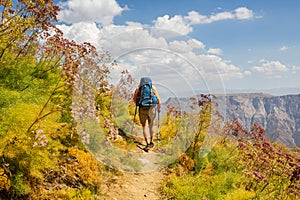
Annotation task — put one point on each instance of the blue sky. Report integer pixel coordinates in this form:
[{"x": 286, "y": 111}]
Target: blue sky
[{"x": 195, "y": 45}]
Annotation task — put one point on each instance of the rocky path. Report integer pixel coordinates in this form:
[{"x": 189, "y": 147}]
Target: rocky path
[{"x": 135, "y": 186}]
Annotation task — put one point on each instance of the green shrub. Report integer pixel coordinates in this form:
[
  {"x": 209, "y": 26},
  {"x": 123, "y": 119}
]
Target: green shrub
[{"x": 19, "y": 185}]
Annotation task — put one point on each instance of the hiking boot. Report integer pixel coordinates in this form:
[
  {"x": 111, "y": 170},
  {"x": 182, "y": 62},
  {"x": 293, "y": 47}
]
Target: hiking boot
[{"x": 150, "y": 145}]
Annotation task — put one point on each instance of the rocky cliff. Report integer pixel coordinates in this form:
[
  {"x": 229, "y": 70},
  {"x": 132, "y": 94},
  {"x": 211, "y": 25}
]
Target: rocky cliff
[{"x": 278, "y": 115}]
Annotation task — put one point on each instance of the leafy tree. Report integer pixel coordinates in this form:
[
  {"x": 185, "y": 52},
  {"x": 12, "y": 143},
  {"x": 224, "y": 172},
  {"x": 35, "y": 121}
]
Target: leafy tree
[{"x": 38, "y": 68}]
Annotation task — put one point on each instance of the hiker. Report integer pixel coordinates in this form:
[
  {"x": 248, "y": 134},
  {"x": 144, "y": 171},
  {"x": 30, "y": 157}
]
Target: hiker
[{"x": 147, "y": 99}]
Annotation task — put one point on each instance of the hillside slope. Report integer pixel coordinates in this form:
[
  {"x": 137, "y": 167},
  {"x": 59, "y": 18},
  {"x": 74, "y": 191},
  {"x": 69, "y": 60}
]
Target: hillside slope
[{"x": 278, "y": 115}]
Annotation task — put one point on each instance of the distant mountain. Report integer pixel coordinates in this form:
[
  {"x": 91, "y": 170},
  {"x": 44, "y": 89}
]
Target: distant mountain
[
  {"x": 278, "y": 115},
  {"x": 271, "y": 91}
]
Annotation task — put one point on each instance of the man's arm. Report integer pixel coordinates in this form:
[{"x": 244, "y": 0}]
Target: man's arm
[
  {"x": 156, "y": 94},
  {"x": 158, "y": 98},
  {"x": 135, "y": 95}
]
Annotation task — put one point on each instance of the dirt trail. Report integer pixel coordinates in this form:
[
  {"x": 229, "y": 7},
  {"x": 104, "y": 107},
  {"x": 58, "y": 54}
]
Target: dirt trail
[{"x": 135, "y": 186}]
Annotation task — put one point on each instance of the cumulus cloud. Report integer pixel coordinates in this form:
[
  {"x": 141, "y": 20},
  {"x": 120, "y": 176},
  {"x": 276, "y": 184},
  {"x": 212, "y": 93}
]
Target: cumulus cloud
[
  {"x": 81, "y": 31},
  {"x": 241, "y": 13},
  {"x": 196, "y": 44},
  {"x": 283, "y": 48},
  {"x": 216, "y": 51},
  {"x": 247, "y": 72},
  {"x": 271, "y": 68},
  {"x": 295, "y": 69},
  {"x": 99, "y": 11},
  {"x": 194, "y": 17},
  {"x": 186, "y": 46},
  {"x": 176, "y": 24},
  {"x": 221, "y": 16},
  {"x": 183, "y": 24}
]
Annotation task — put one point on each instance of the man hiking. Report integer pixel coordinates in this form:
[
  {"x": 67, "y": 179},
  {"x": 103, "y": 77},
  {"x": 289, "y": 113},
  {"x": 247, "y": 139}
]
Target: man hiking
[{"x": 147, "y": 99}]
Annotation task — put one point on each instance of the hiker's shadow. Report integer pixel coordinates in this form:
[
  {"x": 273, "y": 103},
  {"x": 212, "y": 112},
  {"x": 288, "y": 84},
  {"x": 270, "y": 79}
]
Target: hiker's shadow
[{"x": 130, "y": 138}]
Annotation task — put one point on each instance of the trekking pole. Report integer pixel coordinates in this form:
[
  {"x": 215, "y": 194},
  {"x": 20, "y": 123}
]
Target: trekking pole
[
  {"x": 158, "y": 134},
  {"x": 134, "y": 119}
]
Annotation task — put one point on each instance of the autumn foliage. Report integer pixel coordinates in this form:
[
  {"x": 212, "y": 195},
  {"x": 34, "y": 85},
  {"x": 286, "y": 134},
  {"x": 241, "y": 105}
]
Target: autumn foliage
[{"x": 42, "y": 157}]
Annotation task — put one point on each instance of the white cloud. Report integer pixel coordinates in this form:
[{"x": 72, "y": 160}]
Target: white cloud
[
  {"x": 194, "y": 17},
  {"x": 214, "y": 67},
  {"x": 271, "y": 68},
  {"x": 134, "y": 24},
  {"x": 186, "y": 46},
  {"x": 221, "y": 16},
  {"x": 81, "y": 31},
  {"x": 243, "y": 13},
  {"x": 283, "y": 48},
  {"x": 99, "y": 11},
  {"x": 247, "y": 72},
  {"x": 176, "y": 24},
  {"x": 216, "y": 51},
  {"x": 183, "y": 24},
  {"x": 196, "y": 44},
  {"x": 180, "y": 46},
  {"x": 295, "y": 69}
]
